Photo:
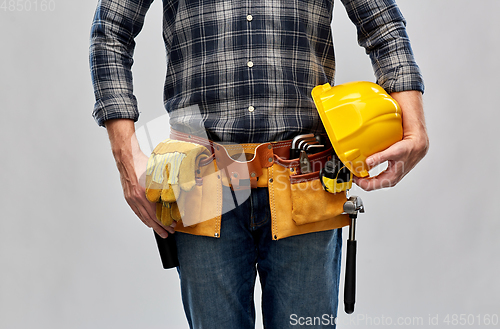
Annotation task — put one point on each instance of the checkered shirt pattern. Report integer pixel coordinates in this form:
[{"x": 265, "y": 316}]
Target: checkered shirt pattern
[{"x": 243, "y": 70}]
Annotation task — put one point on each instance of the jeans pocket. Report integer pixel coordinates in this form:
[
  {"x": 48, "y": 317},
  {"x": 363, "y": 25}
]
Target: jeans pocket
[{"x": 310, "y": 202}]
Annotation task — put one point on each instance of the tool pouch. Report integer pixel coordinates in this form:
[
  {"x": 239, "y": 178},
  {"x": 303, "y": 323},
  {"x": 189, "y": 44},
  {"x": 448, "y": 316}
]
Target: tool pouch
[
  {"x": 183, "y": 179},
  {"x": 310, "y": 202},
  {"x": 298, "y": 202},
  {"x": 200, "y": 209}
]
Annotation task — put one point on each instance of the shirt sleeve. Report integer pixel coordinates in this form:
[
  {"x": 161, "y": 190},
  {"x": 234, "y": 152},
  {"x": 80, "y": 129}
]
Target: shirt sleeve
[
  {"x": 116, "y": 23},
  {"x": 381, "y": 31}
]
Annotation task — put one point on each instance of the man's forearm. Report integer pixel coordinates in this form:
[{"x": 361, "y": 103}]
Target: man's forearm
[
  {"x": 121, "y": 136},
  {"x": 128, "y": 156},
  {"x": 414, "y": 127},
  {"x": 131, "y": 164}
]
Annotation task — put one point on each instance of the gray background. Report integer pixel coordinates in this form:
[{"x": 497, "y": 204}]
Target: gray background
[{"x": 73, "y": 255}]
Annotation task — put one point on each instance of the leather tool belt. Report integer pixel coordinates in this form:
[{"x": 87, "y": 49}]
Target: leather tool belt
[{"x": 297, "y": 200}]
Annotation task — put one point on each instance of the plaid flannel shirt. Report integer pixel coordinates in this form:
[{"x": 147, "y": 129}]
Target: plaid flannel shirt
[{"x": 241, "y": 69}]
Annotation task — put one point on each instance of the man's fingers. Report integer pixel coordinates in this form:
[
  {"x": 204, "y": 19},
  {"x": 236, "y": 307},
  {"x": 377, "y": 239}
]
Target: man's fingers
[
  {"x": 388, "y": 178},
  {"x": 373, "y": 183},
  {"x": 146, "y": 211},
  {"x": 150, "y": 214},
  {"x": 160, "y": 230},
  {"x": 153, "y": 223},
  {"x": 139, "y": 214},
  {"x": 393, "y": 153}
]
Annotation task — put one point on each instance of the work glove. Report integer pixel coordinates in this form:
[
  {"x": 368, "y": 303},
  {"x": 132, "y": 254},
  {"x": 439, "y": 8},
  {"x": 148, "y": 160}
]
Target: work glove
[{"x": 171, "y": 170}]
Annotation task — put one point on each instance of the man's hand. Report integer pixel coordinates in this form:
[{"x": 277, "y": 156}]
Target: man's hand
[
  {"x": 132, "y": 163},
  {"x": 403, "y": 155}
]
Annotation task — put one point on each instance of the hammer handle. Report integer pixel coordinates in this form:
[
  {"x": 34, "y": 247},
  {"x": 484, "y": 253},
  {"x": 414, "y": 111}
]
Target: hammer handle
[
  {"x": 350, "y": 277},
  {"x": 168, "y": 250}
]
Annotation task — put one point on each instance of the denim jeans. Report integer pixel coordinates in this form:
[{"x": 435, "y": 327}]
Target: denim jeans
[{"x": 299, "y": 275}]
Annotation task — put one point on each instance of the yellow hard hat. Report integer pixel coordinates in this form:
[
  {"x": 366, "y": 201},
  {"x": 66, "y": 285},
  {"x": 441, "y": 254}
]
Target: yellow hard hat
[{"x": 360, "y": 119}]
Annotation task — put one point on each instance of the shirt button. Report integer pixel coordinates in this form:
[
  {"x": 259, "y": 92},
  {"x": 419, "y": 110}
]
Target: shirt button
[
  {"x": 250, "y": 64},
  {"x": 249, "y": 18},
  {"x": 251, "y": 108}
]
